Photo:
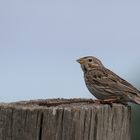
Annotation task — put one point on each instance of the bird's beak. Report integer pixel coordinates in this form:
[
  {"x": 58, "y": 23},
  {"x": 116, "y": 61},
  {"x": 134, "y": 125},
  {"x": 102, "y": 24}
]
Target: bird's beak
[{"x": 81, "y": 61}]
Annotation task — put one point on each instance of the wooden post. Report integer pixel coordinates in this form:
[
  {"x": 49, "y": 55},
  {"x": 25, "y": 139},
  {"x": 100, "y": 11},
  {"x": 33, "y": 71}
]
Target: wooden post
[{"x": 63, "y": 119}]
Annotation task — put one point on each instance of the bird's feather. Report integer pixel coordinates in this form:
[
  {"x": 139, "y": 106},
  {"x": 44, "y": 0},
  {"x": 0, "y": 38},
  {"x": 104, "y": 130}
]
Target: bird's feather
[{"x": 110, "y": 81}]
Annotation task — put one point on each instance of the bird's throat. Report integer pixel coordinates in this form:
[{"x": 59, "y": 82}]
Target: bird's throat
[{"x": 84, "y": 68}]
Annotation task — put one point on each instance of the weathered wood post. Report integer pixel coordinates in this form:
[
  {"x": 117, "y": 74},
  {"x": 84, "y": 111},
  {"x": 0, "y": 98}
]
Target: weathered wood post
[{"x": 63, "y": 119}]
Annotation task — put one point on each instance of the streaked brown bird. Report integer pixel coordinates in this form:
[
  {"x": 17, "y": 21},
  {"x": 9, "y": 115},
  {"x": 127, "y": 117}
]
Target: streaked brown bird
[{"x": 105, "y": 84}]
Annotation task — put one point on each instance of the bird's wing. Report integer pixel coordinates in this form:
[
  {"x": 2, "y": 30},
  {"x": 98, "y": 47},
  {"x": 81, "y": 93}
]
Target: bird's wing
[{"x": 110, "y": 81}]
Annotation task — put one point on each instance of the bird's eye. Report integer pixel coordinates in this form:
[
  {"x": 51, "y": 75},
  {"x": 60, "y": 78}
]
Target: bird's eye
[{"x": 90, "y": 60}]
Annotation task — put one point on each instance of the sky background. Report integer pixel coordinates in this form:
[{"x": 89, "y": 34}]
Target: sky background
[{"x": 40, "y": 41}]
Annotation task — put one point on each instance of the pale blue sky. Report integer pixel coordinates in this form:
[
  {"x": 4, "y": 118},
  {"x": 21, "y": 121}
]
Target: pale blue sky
[{"x": 40, "y": 41}]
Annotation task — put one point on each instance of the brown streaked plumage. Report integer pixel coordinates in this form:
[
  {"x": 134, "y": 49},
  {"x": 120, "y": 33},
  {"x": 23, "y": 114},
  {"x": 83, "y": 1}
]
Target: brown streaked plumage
[{"x": 104, "y": 84}]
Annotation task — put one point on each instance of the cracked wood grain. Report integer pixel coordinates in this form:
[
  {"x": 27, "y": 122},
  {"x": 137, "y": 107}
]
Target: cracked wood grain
[{"x": 76, "y": 119}]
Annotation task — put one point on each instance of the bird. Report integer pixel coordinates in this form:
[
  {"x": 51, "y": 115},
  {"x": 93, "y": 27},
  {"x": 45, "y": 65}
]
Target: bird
[{"x": 105, "y": 85}]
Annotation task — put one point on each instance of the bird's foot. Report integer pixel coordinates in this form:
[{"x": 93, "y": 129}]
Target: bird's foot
[{"x": 107, "y": 101}]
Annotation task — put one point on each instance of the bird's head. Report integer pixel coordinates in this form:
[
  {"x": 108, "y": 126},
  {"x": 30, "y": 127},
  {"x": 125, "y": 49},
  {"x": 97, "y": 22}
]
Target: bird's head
[{"x": 89, "y": 63}]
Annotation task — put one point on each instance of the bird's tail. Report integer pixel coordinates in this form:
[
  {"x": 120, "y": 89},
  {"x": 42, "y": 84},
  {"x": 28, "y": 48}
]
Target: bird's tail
[{"x": 136, "y": 99}]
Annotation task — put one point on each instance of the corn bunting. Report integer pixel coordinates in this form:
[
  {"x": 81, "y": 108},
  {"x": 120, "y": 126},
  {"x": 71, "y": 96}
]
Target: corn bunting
[{"x": 106, "y": 85}]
